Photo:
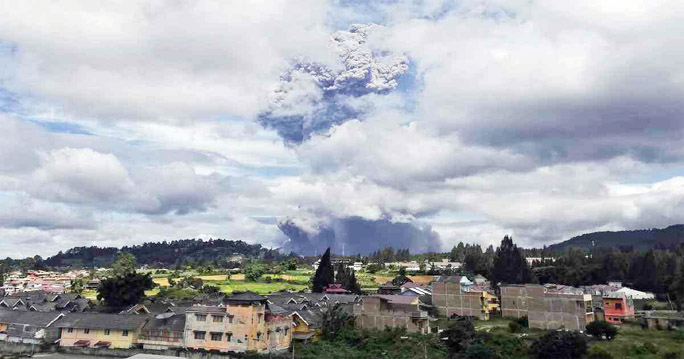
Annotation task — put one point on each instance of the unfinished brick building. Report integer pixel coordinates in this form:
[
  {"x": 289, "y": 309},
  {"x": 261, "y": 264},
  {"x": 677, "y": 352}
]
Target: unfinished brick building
[
  {"x": 548, "y": 306},
  {"x": 451, "y": 297},
  {"x": 380, "y": 311}
]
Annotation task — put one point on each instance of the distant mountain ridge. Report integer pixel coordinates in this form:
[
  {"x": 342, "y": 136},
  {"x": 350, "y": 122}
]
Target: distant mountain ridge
[
  {"x": 641, "y": 240},
  {"x": 162, "y": 253}
]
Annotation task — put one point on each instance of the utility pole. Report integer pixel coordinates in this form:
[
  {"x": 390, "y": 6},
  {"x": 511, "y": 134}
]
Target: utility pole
[{"x": 342, "y": 249}]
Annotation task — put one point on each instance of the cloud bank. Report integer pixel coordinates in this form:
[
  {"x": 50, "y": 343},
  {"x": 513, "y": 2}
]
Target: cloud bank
[{"x": 307, "y": 124}]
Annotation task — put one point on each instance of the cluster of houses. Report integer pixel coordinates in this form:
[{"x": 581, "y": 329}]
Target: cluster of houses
[
  {"x": 250, "y": 322},
  {"x": 43, "y": 281}
]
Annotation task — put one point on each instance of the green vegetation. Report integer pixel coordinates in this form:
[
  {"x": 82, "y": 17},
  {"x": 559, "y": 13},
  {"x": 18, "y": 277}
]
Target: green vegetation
[
  {"x": 361, "y": 344},
  {"x": 121, "y": 291}
]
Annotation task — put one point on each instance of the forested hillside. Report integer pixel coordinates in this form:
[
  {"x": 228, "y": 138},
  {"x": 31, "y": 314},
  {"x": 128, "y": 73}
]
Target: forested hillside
[
  {"x": 163, "y": 253},
  {"x": 641, "y": 240}
]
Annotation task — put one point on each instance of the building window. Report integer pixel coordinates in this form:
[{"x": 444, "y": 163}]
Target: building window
[
  {"x": 124, "y": 333},
  {"x": 200, "y": 335},
  {"x": 86, "y": 331},
  {"x": 70, "y": 330},
  {"x": 229, "y": 337},
  {"x": 216, "y": 337},
  {"x": 217, "y": 319},
  {"x": 259, "y": 336},
  {"x": 618, "y": 305},
  {"x": 201, "y": 317},
  {"x": 107, "y": 331},
  {"x": 286, "y": 331},
  {"x": 230, "y": 319}
]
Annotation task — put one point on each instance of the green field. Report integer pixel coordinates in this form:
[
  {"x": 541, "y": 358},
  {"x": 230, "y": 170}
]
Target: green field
[{"x": 631, "y": 339}]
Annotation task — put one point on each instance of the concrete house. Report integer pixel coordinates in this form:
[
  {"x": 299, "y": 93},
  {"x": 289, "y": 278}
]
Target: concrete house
[
  {"x": 101, "y": 330},
  {"x": 549, "y": 306},
  {"x": 29, "y": 327},
  {"x": 164, "y": 331},
  {"x": 617, "y": 307},
  {"x": 380, "y": 311},
  {"x": 243, "y": 323}
]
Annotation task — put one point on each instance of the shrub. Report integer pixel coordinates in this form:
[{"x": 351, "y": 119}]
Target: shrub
[
  {"x": 523, "y": 321},
  {"x": 514, "y": 327},
  {"x": 671, "y": 355},
  {"x": 599, "y": 353},
  {"x": 559, "y": 345},
  {"x": 479, "y": 350},
  {"x": 636, "y": 350},
  {"x": 652, "y": 348},
  {"x": 599, "y": 329}
]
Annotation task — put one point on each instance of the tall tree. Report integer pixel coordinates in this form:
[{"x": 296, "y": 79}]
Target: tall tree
[
  {"x": 510, "y": 265},
  {"x": 122, "y": 291},
  {"x": 325, "y": 274},
  {"x": 124, "y": 264}
]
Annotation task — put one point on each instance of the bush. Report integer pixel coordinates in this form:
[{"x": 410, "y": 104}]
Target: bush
[
  {"x": 599, "y": 329},
  {"x": 524, "y": 321},
  {"x": 671, "y": 355},
  {"x": 636, "y": 350},
  {"x": 559, "y": 345},
  {"x": 479, "y": 350},
  {"x": 599, "y": 353},
  {"x": 514, "y": 327},
  {"x": 652, "y": 348}
]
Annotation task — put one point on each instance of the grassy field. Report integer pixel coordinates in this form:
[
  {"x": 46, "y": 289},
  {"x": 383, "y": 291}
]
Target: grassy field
[
  {"x": 258, "y": 287},
  {"x": 631, "y": 339},
  {"x": 161, "y": 281}
]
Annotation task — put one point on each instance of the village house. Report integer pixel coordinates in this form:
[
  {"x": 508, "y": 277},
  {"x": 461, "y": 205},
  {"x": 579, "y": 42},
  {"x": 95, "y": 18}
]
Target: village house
[
  {"x": 548, "y": 306},
  {"x": 307, "y": 325},
  {"x": 164, "y": 331},
  {"x": 617, "y": 307},
  {"x": 29, "y": 327},
  {"x": 100, "y": 330},
  {"x": 380, "y": 311},
  {"x": 243, "y": 323}
]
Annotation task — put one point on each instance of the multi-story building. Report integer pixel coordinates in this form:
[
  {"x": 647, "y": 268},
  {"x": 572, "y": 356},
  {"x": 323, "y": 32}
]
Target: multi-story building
[
  {"x": 242, "y": 324},
  {"x": 548, "y": 306},
  {"x": 100, "y": 330},
  {"x": 454, "y": 295},
  {"x": 164, "y": 331},
  {"x": 380, "y": 311},
  {"x": 617, "y": 307}
]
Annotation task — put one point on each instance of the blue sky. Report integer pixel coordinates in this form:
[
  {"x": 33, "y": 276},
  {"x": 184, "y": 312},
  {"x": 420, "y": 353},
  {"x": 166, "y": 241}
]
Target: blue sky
[{"x": 305, "y": 124}]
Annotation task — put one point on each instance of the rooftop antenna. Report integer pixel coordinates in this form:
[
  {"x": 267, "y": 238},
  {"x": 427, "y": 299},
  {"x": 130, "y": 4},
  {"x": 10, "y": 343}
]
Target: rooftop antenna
[{"x": 342, "y": 249}]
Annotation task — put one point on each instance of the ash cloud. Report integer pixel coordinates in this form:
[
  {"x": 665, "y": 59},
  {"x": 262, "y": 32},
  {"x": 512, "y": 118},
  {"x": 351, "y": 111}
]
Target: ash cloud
[
  {"x": 358, "y": 235},
  {"x": 312, "y": 97}
]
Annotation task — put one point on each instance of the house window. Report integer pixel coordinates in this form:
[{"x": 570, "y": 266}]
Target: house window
[
  {"x": 217, "y": 319},
  {"x": 286, "y": 331},
  {"x": 230, "y": 319},
  {"x": 216, "y": 337},
  {"x": 70, "y": 330},
  {"x": 259, "y": 336},
  {"x": 201, "y": 317},
  {"x": 200, "y": 335},
  {"x": 125, "y": 333},
  {"x": 229, "y": 337},
  {"x": 107, "y": 331},
  {"x": 618, "y": 305},
  {"x": 86, "y": 331}
]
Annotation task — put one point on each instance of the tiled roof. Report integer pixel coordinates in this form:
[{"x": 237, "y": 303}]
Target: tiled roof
[
  {"x": 36, "y": 319},
  {"x": 245, "y": 297},
  {"x": 206, "y": 309},
  {"x": 176, "y": 322},
  {"x": 102, "y": 321}
]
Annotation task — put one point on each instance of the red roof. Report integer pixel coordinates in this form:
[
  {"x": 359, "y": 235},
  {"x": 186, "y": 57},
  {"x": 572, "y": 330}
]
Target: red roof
[
  {"x": 335, "y": 288},
  {"x": 82, "y": 343},
  {"x": 103, "y": 344}
]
